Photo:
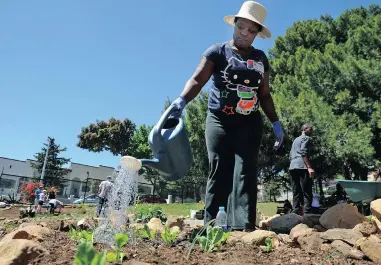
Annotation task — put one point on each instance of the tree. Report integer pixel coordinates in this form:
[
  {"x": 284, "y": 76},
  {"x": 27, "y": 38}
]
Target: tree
[
  {"x": 139, "y": 148},
  {"x": 112, "y": 135},
  {"x": 326, "y": 72},
  {"x": 54, "y": 169}
]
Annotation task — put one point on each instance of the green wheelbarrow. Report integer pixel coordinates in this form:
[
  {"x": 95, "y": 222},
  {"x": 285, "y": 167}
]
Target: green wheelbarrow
[{"x": 361, "y": 192}]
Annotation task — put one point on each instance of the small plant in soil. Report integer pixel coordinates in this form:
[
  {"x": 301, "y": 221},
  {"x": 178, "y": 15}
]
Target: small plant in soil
[
  {"x": 268, "y": 245},
  {"x": 215, "y": 236},
  {"x": 145, "y": 215},
  {"x": 86, "y": 255},
  {"x": 81, "y": 236},
  {"x": 168, "y": 236},
  {"x": 120, "y": 240},
  {"x": 147, "y": 233}
]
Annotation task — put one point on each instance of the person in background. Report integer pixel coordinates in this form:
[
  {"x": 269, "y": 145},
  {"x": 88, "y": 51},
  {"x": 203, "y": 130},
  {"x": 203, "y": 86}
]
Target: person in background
[
  {"x": 302, "y": 172},
  {"x": 37, "y": 196},
  {"x": 340, "y": 194},
  {"x": 315, "y": 203},
  {"x": 287, "y": 207},
  {"x": 41, "y": 199},
  {"x": 55, "y": 204},
  {"x": 104, "y": 191},
  {"x": 234, "y": 123}
]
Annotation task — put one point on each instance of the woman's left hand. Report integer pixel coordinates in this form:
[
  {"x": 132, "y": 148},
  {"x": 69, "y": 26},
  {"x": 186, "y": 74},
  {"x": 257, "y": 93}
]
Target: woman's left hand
[{"x": 278, "y": 131}]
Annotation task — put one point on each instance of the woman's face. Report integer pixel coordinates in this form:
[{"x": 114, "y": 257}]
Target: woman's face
[{"x": 245, "y": 32}]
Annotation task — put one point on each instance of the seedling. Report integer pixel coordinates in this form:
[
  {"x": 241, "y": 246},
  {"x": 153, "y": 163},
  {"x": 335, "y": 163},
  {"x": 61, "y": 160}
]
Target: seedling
[
  {"x": 86, "y": 255},
  {"x": 268, "y": 245},
  {"x": 147, "y": 233},
  {"x": 168, "y": 236},
  {"x": 81, "y": 236},
  {"x": 120, "y": 240},
  {"x": 215, "y": 236}
]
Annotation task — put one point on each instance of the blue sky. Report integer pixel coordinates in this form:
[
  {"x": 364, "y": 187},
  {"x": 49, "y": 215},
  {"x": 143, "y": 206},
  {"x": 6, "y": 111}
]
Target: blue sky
[{"x": 65, "y": 64}]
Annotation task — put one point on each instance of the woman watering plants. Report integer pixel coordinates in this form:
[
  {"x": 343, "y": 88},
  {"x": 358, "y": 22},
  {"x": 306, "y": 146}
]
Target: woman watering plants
[{"x": 234, "y": 126}]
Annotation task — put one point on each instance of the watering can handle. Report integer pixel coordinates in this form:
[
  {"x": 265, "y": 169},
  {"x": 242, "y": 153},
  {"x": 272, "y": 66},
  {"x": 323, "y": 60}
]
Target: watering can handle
[{"x": 159, "y": 126}]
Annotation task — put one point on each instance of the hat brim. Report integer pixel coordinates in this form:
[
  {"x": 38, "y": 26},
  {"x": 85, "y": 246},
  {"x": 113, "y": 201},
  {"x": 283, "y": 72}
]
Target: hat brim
[{"x": 265, "y": 32}]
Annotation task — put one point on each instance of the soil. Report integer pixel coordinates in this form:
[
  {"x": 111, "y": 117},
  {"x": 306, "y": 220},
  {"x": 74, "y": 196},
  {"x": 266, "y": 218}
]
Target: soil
[
  {"x": 14, "y": 212},
  {"x": 63, "y": 250}
]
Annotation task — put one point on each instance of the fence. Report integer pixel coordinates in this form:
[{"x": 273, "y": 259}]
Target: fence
[{"x": 69, "y": 190}]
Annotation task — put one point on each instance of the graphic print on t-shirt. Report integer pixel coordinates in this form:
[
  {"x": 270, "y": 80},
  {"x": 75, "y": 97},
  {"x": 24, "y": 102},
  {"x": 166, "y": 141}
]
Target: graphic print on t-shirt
[{"x": 244, "y": 77}]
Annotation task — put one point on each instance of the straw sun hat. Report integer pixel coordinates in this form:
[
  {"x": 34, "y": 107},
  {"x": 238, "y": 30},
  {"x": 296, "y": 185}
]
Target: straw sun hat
[{"x": 253, "y": 11}]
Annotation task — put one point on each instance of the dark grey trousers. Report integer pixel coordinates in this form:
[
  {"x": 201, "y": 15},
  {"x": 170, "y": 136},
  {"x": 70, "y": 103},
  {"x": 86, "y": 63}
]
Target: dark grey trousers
[{"x": 233, "y": 144}]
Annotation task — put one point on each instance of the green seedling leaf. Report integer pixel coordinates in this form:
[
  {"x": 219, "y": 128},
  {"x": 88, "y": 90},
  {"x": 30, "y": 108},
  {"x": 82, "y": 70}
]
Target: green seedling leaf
[
  {"x": 84, "y": 255},
  {"x": 217, "y": 235},
  {"x": 111, "y": 257},
  {"x": 99, "y": 259},
  {"x": 121, "y": 240}
]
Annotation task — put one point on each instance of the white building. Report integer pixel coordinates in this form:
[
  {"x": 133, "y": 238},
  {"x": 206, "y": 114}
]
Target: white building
[{"x": 82, "y": 178}]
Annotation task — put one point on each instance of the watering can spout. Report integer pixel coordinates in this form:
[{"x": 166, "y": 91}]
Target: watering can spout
[{"x": 152, "y": 163}]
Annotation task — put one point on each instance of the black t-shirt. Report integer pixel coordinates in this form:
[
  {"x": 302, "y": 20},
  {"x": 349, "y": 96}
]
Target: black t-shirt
[{"x": 236, "y": 79}]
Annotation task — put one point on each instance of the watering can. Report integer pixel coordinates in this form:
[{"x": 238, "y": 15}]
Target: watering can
[{"x": 171, "y": 149}]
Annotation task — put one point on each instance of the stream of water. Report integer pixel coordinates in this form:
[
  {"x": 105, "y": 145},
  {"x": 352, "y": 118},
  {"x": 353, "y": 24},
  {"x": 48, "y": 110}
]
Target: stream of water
[{"x": 114, "y": 217}]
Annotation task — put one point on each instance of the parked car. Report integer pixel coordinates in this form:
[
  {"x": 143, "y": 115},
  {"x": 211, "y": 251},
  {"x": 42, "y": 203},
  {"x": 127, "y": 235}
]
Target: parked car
[
  {"x": 148, "y": 198},
  {"x": 89, "y": 199}
]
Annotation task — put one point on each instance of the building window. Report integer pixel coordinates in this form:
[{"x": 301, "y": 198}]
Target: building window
[{"x": 7, "y": 183}]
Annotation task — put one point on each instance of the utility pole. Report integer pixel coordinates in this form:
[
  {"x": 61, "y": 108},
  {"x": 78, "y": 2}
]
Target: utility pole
[{"x": 45, "y": 161}]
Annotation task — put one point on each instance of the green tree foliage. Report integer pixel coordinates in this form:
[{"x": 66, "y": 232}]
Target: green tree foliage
[
  {"x": 112, "y": 135},
  {"x": 327, "y": 72},
  {"x": 54, "y": 169}
]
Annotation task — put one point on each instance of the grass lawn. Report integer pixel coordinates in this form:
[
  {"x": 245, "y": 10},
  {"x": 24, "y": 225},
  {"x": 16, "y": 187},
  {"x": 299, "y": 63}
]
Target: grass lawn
[{"x": 178, "y": 209}]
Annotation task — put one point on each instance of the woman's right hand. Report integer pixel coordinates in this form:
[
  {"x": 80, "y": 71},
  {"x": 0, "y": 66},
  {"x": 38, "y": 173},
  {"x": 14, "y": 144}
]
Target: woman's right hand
[{"x": 178, "y": 106}]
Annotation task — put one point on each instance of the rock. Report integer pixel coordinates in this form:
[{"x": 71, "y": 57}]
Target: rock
[
  {"x": 65, "y": 225},
  {"x": 263, "y": 224},
  {"x": 83, "y": 224},
  {"x": 3, "y": 205},
  {"x": 235, "y": 237},
  {"x": 375, "y": 208},
  {"x": 43, "y": 224},
  {"x": 20, "y": 252},
  {"x": 347, "y": 235},
  {"x": 311, "y": 243},
  {"x": 175, "y": 229},
  {"x": 341, "y": 216},
  {"x": 300, "y": 230},
  {"x": 156, "y": 225},
  {"x": 371, "y": 248},
  {"x": 359, "y": 242},
  {"x": 284, "y": 223},
  {"x": 2, "y": 218},
  {"x": 136, "y": 226},
  {"x": 311, "y": 220},
  {"x": 171, "y": 222},
  {"x": 257, "y": 237},
  {"x": 319, "y": 228},
  {"x": 366, "y": 228},
  {"x": 294, "y": 261},
  {"x": 284, "y": 238},
  {"x": 377, "y": 223},
  {"x": 347, "y": 250},
  {"x": 325, "y": 247},
  {"x": 30, "y": 232}
]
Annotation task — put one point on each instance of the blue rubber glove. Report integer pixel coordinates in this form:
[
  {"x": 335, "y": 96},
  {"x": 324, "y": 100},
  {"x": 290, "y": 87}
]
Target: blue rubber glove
[
  {"x": 178, "y": 107},
  {"x": 278, "y": 131}
]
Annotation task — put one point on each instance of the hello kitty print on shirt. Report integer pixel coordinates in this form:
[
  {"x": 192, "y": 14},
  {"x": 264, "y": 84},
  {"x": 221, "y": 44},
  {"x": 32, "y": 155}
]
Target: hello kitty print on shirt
[{"x": 244, "y": 77}]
